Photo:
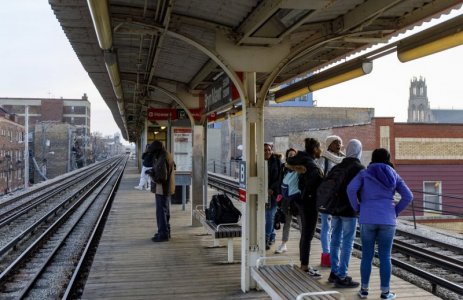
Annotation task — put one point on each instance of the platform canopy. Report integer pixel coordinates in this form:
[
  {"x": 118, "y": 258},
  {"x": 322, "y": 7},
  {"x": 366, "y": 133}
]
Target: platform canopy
[{"x": 166, "y": 53}]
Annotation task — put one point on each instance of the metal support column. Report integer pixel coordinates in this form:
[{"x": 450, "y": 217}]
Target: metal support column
[
  {"x": 198, "y": 173},
  {"x": 253, "y": 219}
]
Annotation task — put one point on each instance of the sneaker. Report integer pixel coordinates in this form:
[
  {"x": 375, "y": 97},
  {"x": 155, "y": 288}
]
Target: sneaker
[
  {"x": 148, "y": 188},
  {"x": 138, "y": 187},
  {"x": 346, "y": 282},
  {"x": 363, "y": 293},
  {"x": 333, "y": 277},
  {"x": 314, "y": 273},
  {"x": 282, "y": 248},
  {"x": 388, "y": 295}
]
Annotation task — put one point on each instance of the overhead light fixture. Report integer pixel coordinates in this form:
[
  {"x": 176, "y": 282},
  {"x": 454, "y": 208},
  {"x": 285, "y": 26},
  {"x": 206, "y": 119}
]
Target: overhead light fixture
[
  {"x": 330, "y": 77},
  {"x": 163, "y": 127},
  {"x": 100, "y": 17},
  {"x": 435, "y": 39}
]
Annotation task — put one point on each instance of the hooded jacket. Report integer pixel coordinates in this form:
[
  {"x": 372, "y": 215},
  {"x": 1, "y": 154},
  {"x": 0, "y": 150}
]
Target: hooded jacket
[
  {"x": 376, "y": 187},
  {"x": 309, "y": 179},
  {"x": 274, "y": 168}
]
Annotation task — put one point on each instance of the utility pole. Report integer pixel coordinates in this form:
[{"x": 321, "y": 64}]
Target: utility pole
[{"x": 26, "y": 148}]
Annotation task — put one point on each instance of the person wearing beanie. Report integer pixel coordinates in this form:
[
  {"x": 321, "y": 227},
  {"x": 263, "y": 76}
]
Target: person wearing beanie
[
  {"x": 329, "y": 158},
  {"x": 344, "y": 220},
  {"x": 376, "y": 186}
]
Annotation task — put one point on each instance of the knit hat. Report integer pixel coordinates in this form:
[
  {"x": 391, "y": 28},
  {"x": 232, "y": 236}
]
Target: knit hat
[
  {"x": 330, "y": 139},
  {"x": 354, "y": 149}
]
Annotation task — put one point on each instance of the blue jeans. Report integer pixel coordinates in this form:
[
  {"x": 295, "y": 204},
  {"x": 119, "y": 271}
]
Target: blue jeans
[
  {"x": 325, "y": 232},
  {"x": 163, "y": 215},
  {"x": 269, "y": 220},
  {"x": 383, "y": 235},
  {"x": 342, "y": 239}
]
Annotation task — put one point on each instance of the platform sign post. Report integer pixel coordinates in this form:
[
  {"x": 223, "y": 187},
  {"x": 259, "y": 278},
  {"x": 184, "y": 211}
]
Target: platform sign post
[{"x": 242, "y": 181}]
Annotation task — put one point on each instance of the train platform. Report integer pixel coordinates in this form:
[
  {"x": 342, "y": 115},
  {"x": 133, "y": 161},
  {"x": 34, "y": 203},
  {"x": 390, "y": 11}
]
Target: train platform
[{"x": 128, "y": 265}]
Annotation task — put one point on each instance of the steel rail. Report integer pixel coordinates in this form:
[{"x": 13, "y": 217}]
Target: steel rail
[
  {"x": 25, "y": 207},
  {"x": 44, "y": 218},
  {"x": 68, "y": 176},
  {"x": 100, "y": 184},
  {"x": 92, "y": 241}
]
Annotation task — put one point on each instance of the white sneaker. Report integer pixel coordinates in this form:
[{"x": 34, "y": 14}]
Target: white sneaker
[
  {"x": 282, "y": 248},
  {"x": 138, "y": 187},
  {"x": 148, "y": 188}
]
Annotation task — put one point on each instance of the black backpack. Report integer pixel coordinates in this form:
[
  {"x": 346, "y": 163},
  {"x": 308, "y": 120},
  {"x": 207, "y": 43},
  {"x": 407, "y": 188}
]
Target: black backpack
[
  {"x": 333, "y": 187},
  {"x": 221, "y": 210},
  {"x": 160, "y": 172}
]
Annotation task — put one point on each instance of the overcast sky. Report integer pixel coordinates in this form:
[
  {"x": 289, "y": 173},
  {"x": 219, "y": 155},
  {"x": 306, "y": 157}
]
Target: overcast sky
[{"x": 36, "y": 60}]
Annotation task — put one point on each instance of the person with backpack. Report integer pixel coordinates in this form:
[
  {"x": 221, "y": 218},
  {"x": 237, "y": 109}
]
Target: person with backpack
[
  {"x": 371, "y": 193},
  {"x": 329, "y": 158},
  {"x": 344, "y": 218},
  {"x": 289, "y": 192},
  {"x": 163, "y": 175},
  {"x": 310, "y": 177},
  {"x": 147, "y": 164},
  {"x": 274, "y": 165}
]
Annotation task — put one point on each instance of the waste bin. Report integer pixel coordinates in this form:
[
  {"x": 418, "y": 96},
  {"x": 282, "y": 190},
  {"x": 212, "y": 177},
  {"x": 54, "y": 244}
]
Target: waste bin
[{"x": 177, "y": 198}]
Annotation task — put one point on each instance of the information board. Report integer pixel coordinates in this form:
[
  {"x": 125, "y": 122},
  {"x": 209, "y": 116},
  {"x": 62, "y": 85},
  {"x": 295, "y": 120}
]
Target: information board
[{"x": 183, "y": 149}]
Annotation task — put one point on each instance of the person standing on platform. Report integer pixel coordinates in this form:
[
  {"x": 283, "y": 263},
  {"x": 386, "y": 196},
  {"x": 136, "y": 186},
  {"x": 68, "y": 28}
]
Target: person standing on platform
[
  {"x": 344, "y": 218},
  {"x": 329, "y": 158},
  {"x": 163, "y": 175},
  {"x": 309, "y": 179},
  {"x": 371, "y": 193},
  {"x": 147, "y": 164},
  {"x": 274, "y": 167},
  {"x": 290, "y": 182}
]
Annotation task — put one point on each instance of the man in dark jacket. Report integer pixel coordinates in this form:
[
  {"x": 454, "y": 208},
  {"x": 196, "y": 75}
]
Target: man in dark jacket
[
  {"x": 344, "y": 220},
  {"x": 274, "y": 167}
]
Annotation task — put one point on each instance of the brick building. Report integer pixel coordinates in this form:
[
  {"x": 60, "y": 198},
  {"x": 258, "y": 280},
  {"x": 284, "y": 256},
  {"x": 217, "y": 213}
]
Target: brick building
[
  {"x": 53, "y": 150},
  {"x": 11, "y": 153},
  {"x": 57, "y": 125},
  {"x": 428, "y": 156},
  {"x": 71, "y": 111}
]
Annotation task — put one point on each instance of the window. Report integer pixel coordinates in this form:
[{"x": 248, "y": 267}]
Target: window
[{"x": 432, "y": 197}]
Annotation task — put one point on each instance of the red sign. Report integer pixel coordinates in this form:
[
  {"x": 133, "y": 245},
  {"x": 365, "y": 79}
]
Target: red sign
[
  {"x": 196, "y": 113},
  {"x": 242, "y": 195},
  {"x": 212, "y": 117},
  {"x": 155, "y": 114}
]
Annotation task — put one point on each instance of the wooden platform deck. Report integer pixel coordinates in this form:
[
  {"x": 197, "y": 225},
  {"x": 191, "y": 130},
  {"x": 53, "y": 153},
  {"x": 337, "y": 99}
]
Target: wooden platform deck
[{"x": 128, "y": 265}]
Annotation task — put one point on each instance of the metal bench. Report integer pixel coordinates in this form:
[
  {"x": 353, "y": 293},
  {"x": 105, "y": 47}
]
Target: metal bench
[
  {"x": 285, "y": 282},
  {"x": 227, "y": 231}
]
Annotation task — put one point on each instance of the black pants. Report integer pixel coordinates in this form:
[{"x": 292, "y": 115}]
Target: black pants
[
  {"x": 163, "y": 215},
  {"x": 308, "y": 216}
]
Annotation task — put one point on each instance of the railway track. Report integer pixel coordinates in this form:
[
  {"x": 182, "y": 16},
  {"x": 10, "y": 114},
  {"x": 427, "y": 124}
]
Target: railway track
[
  {"x": 45, "y": 260},
  {"x": 433, "y": 264}
]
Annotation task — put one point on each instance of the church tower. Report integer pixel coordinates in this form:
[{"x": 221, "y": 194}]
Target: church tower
[{"x": 418, "y": 104}]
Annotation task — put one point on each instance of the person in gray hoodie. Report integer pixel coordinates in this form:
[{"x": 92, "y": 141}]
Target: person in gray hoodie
[
  {"x": 371, "y": 193},
  {"x": 344, "y": 218}
]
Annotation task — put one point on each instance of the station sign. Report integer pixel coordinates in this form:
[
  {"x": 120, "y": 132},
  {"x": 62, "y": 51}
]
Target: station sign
[
  {"x": 220, "y": 93},
  {"x": 242, "y": 181},
  {"x": 159, "y": 114}
]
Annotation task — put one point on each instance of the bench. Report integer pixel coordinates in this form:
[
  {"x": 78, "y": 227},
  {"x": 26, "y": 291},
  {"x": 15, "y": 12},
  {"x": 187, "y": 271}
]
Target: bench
[
  {"x": 227, "y": 231},
  {"x": 284, "y": 282}
]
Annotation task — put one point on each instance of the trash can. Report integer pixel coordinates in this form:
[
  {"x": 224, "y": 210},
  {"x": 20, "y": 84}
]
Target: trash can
[{"x": 177, "y": 198}]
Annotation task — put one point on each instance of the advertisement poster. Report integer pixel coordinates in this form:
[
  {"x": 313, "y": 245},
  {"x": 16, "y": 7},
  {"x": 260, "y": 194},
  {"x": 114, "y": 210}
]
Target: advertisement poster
[{"x": 183, "y": 149}]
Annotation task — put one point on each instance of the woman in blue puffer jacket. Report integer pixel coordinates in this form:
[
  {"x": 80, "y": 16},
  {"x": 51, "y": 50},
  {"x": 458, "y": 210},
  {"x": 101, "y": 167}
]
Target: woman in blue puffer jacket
[{"x": 375, "y": 188}]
